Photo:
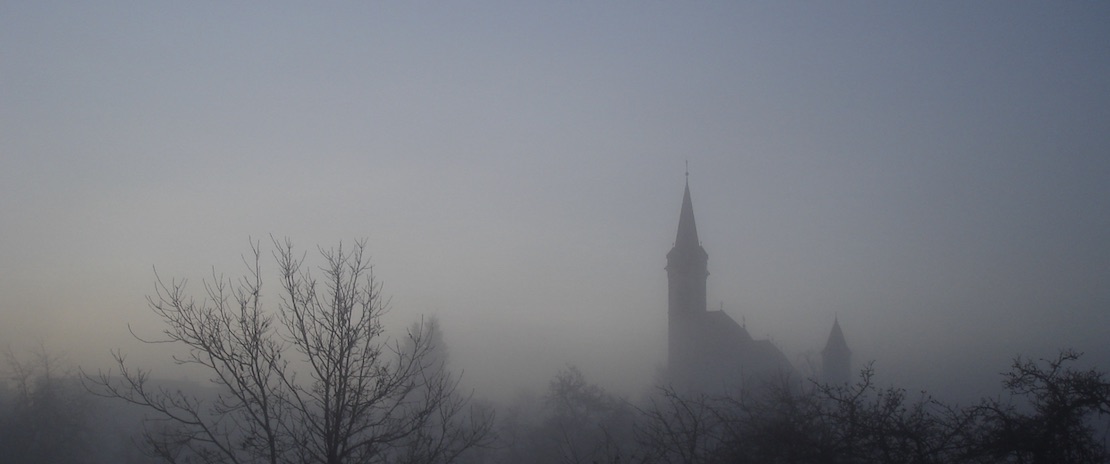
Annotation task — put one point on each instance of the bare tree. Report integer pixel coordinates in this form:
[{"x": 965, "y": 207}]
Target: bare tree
[
  {"x": 576, "y": 422},
  {"x": 782, "y": 423},
  {"x": 316, "y": 381},
  {"x": 458, "y": 424},
  {"x": 683, "y": 429},
  {"x": 1056, "y": 416},
  {"x": 585, "y": 423},
  {"x": 45, "y": 417}
]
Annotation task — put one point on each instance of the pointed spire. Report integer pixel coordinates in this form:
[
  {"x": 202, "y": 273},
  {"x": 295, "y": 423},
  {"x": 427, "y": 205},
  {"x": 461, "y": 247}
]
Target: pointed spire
[
  {"x": 687, "y": 230},
  {"x": 836, "y": 341}
]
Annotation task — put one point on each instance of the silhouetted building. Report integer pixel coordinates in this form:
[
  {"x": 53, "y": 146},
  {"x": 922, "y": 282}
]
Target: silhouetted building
[
  {"x": 836, "y": 358},
  {"x": 707, "y": 350}
]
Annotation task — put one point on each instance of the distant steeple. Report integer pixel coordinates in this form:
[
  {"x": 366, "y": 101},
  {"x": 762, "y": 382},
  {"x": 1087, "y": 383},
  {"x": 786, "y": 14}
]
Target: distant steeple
[
  {"x": 836, "y": 358},
  {"x": 687, "y": 236},
  {"x": 687, "y": 270}
]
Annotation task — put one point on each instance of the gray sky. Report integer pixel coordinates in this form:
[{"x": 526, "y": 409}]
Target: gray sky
[{"x": 936, "y": 174}]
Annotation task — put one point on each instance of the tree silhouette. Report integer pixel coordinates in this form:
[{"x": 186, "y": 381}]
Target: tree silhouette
[
  {"x": 1050, "y": 417},
  {"x": 1054, "y": 420},
  {"x": 45, "y": 417},
  {"x": 316, "y": 381}
]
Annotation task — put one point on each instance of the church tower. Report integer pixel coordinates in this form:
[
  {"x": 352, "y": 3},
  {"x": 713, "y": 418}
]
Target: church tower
[
  {"x": 707, "y": 351},
  {"x": 687, "y": 271},
  {"x": 836, "y": 358}
]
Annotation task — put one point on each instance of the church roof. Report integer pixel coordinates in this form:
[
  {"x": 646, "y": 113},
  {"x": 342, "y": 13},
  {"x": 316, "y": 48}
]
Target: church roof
[
  {"x": 732, "y": 356},
  {"x": 718, "y": 325},
  {"x": 836, "y": 341}
]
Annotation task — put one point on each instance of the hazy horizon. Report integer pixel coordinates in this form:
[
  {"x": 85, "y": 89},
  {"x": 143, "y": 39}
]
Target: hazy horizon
[{"x": 935, "y": 175}]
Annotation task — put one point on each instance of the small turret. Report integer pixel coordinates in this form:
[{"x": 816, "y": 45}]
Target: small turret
[{"x": 836, "y": 358}]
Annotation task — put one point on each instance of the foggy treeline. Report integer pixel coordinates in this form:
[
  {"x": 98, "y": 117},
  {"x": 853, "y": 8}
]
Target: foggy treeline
[
  {"x": 314, "y": 377},
  {"x": 1048, "y": 412}
]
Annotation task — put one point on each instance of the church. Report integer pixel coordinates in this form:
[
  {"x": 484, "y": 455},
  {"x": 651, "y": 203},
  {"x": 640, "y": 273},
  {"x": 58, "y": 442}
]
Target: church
[{"x": 707, "y": 351}]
